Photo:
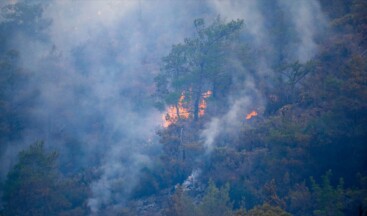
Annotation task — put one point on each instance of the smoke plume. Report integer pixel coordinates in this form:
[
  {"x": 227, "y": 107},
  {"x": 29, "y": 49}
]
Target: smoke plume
[{"x": 91, "y": 69}]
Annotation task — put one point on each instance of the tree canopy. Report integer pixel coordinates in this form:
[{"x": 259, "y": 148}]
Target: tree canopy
[{"x": 195, "y": 66}]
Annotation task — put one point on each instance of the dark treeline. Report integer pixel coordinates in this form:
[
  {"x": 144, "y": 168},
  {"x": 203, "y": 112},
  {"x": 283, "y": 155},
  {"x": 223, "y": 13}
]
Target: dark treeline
[{"x": 302, "y": 151}]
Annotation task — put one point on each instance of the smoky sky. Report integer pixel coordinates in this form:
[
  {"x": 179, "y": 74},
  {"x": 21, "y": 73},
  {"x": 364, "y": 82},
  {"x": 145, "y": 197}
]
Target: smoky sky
[{"x": 91, "y": 71}]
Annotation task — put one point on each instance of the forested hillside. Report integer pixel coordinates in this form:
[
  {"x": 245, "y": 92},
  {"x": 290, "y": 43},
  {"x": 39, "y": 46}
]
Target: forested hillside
[{"x": 183, "y": 108}]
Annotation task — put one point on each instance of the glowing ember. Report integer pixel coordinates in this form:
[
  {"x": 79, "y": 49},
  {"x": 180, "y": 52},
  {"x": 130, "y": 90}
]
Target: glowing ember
[
  {"x": 207, "y": 94},
  {"x": 251, "y": 114},
  {"x": 202, "y": 107}
]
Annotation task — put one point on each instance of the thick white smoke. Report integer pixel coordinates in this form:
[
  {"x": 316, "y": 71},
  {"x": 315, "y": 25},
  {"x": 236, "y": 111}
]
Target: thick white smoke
[
  {"x": 92, "y": 73},
  {"x": 305, "y": 19}
]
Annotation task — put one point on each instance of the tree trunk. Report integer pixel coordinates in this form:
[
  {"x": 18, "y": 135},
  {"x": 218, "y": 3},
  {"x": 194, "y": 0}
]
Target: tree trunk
[
  {"x": 198, "y": 93},
  {"x": 196, "y": 106},
  {"x": 177, "y": 112}
]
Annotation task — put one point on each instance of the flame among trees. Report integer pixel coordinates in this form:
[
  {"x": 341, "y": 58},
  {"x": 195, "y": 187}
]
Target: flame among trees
[
  {"x": 198, "y": 69},
  {"x": 182, "y": 110},
  {"x": 194, "y": 70}
]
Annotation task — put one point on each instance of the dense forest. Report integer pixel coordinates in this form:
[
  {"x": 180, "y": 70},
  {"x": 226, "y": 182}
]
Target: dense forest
[{"x": 183, "y": 108}]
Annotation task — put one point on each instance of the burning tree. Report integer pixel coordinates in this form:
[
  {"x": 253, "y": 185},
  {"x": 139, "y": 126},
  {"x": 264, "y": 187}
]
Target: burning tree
[{"x": 194, "y": 67}]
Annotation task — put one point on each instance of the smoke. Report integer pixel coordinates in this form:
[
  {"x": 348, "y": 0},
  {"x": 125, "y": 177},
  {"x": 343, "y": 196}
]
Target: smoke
[
  {"x": 249, "y": 11},
  {"x": 91, "y": 72},
  {"x": 191, "y": 180},
  {"x": 306, "y": 22},
  {"x": 233, "y": 120},
  {"x": 117, "y": 179}
]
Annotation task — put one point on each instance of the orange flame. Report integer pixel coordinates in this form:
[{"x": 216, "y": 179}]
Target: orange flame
[
  {"x": 182, "y": 111},
  {"x": 251, "y": 114},
  {"x": 172, "y": 117},
  {"x": 203, "y": 105}
]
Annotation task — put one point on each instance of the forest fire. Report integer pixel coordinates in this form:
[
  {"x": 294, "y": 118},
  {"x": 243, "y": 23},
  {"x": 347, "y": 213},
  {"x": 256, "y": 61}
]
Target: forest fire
[
  {"x": 251, "y": 114},
  {"x": 174, "y": 113},
  {"x": 203, "y": 105}
]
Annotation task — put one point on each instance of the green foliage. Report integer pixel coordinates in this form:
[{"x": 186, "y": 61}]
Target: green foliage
[
  {"x": 328, "y": 200},
  {"x": 181, "y": 204},
  {"x": 29, "y": 189},
  {"x": 195, "y": 66},
  {"x": 34, "y": 187},
  {"x": 271, "y": 195},
  {"x": 315, "y": 120},
  {"x": 216, "y": 201},
  {"x": 267, "y": 210},
  {"x": 300, "y": 199},
  {"x": 357, "y": 197},
  {"x": 290, "y": 79}
]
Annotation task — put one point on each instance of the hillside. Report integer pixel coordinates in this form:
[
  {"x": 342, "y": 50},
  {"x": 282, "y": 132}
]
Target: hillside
[{"x": 167, "y": 108}]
